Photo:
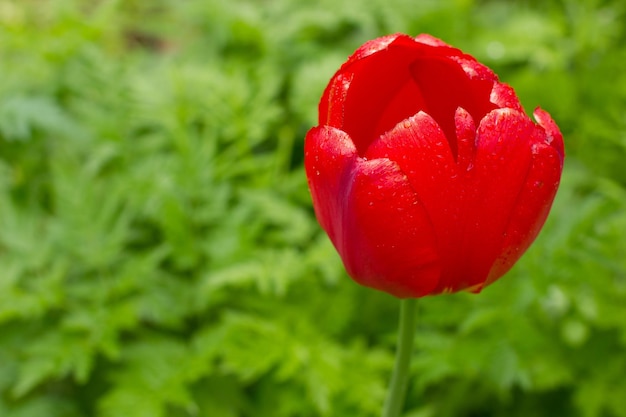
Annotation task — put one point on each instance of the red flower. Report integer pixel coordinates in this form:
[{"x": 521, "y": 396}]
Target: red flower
[{"x": 425, "y": 171}]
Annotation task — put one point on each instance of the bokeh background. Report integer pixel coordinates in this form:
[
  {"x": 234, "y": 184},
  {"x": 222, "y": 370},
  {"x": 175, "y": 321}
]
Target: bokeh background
[{"x": 159, "y": 255}]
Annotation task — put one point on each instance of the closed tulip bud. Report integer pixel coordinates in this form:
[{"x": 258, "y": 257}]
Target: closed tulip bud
[{"x": 425, "y": 172}]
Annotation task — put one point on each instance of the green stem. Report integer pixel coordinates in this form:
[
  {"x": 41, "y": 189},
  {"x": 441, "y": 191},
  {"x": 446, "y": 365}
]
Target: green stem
[{"x": 400, "y": 375}]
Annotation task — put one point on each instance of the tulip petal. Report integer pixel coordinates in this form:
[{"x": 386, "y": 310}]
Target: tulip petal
[
  {"x": 474, "y": 69},
  {"x": 329, "y": 157},
  {"x": 373, "y": 46},
  {"x": 554, "y": 136},
  {"x": 427, "y": 39},
  {"x": 466, "y": 139},
  {"x": 342, "y": 78},
  {"x": 372, "y": 216},
  {"x": 535, "y": 199},
  {"x": 501, "y": 168},
  {"x": 389, "y": 241},
  {"x": 504, "y": 96},
  {"x": 420, "y": 148},
  {"x": 445, "y": 86},
  {"x": 331, "y": 107},
  {"x": 422, "y": 152},
  {"x": 392, "y": 78},
  {"x": 372, "y": 107}
]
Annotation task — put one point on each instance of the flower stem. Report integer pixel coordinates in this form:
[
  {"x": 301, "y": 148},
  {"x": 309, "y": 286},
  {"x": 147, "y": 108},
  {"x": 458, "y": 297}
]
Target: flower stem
[{"x": 399, "y": 378}]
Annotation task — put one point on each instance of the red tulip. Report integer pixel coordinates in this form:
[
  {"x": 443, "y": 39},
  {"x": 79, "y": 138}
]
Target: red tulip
[{"x": 425, "y": 171}]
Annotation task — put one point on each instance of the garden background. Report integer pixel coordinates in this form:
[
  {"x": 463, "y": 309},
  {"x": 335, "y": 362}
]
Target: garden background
[{"x": 159, "y": 256}]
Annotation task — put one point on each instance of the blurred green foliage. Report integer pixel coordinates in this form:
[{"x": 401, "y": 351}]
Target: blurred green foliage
[{"x": 159, "y": 256}]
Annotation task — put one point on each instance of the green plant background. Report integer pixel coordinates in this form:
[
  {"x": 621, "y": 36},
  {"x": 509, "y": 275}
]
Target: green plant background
[{"x": 159, "y": 256}]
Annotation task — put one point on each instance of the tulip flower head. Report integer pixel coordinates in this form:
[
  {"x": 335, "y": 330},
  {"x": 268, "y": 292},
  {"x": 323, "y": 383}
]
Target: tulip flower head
[{"x": 424, "y": 170}]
